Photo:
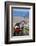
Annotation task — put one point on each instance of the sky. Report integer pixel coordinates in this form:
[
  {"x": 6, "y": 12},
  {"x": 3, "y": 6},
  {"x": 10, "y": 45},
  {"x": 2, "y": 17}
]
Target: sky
[{"x": 20, "y": 12}]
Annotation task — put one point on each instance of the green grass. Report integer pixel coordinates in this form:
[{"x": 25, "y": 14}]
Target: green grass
[{"x": 26, "y": 29}]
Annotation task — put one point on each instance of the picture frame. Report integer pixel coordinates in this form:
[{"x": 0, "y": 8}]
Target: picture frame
[{"x": 18, "y": 12}]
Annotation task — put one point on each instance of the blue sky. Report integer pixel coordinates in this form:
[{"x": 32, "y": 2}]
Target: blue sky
[{"x": 20, "y": 12}]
